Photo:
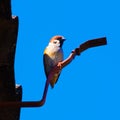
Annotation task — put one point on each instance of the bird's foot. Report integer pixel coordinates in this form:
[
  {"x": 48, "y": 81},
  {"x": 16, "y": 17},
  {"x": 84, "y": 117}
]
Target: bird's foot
[{"x": 59, "y": 65}]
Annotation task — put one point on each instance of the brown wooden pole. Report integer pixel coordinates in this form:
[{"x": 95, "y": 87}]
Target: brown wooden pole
[{"x": 8, "y": 38}]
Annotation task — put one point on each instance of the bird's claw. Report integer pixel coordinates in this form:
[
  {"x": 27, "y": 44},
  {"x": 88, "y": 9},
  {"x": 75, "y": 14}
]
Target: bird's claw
[{"x": 59, "y": 65}]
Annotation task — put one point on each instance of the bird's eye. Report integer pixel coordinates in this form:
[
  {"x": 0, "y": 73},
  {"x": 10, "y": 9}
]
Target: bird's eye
[{"x": 55, "y": 41}]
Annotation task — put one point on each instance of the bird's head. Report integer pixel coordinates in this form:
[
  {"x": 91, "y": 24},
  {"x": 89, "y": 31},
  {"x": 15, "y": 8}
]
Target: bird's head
[{"x": 57, "y": 40}]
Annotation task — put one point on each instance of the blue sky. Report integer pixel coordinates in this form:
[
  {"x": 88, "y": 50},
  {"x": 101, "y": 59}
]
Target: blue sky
[{"x": 89, "y": 88}]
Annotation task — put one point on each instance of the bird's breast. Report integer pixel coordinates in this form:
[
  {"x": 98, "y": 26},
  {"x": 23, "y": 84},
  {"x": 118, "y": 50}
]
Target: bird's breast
[{"x": 55, "y": 54}]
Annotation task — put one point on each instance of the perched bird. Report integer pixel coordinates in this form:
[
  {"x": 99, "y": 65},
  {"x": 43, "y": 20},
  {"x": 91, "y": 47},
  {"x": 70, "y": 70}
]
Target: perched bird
[{"x": 53, "y": 55}]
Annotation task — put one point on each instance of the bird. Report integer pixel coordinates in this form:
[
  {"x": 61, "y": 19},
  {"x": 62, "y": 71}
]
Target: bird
[{"x": 53, "y": 55}]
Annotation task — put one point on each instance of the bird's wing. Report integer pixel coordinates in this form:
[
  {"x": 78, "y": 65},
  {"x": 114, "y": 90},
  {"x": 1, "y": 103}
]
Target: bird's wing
[{"x": 47, "y": 64}]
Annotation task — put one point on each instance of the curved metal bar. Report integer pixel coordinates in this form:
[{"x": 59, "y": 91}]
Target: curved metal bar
[
  {"x": 77, "y": 51},
  {"x": 27, "y": 103}
]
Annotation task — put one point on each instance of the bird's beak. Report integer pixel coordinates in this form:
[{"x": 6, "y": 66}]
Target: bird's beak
[
  {"x": 61, "y": 42},
  {"x": 63, "y": 39}
]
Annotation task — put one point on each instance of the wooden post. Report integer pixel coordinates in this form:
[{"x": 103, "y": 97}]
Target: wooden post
[{"x": 8, "y": 39}]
